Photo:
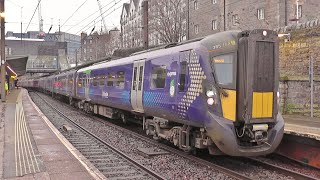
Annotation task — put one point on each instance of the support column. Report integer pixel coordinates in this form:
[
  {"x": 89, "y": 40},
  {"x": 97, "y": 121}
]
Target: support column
[{"x": 2, "y": 49}]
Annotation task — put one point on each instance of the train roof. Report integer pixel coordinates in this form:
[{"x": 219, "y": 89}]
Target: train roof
[{"x": 157, "y": 52}]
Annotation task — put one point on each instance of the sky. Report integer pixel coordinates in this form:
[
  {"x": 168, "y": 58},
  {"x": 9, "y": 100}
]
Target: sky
[{"x": 87, "y": 17}]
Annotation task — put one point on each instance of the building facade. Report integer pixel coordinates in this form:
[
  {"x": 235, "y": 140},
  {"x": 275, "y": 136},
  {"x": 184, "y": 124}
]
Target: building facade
[
  {"x": 96, "y": 46},
  {"x": 212, "y": 16},
  {"x": 150, "y": 22},
  {"x": 131, "y": 24}
]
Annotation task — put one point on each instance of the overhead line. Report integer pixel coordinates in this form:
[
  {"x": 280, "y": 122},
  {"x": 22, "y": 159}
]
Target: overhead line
[
  {"x": 103, "y": 13},
  {"x": 73, "y": 13},
  {"x": 32, "y": 16},
  {"x": 91, "y": 15}
]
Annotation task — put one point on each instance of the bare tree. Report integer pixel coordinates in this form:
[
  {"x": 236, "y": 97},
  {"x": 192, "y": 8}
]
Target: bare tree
[{"x": 168, "y": 18}]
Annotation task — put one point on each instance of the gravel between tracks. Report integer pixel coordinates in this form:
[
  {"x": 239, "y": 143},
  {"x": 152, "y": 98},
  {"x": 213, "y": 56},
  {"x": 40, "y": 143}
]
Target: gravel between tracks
[{"x": 171, "y": 166}]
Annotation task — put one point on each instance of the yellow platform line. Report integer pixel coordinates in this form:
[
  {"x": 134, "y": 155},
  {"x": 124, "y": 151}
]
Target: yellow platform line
[
  {"x": 26, "y": 145},
  {"x": 27, "y": 139},
  {"x": 22, "y": 148},
  {"x": 15, "y": 141}
]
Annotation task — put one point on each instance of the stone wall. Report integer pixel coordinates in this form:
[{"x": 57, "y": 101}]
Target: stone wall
[
  {"x": 296, "y": 97},
  {"x": 300, "y": 44}
]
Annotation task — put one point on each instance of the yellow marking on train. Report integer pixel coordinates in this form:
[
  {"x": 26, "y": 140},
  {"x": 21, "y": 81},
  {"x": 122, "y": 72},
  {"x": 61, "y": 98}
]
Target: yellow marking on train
[
  {"x": 262, "y": 104},
  {"x": 229, "y": 105}
]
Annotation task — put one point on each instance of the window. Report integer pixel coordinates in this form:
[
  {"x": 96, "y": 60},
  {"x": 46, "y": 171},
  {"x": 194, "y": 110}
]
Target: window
[
  {"x": 120, "y": 79},
  {"x": 80, "y": 81},
  {"x": 158, "y": 77},
  {"x": 223, "y": 67},
  {"x": 235, "y": 19},
  {"x": 299, "y": 11},
  {"x": 140, "y": 77},
  {"x": 214, "y": 24},
  {"x": 101, "y": 80},
  {"x": 214, "y": 1},
  {"x": 182, "y": 78},
  {"x": 195, "y": 5},
  {"x": 134, "y": 78},
  {"x": 95, "y": 81},
  {"x": 196, "y": 29},
  {"x": 110, "y": 80},
  {"x": 90, "y": 41},
  {"x": 260, "y": 14}
]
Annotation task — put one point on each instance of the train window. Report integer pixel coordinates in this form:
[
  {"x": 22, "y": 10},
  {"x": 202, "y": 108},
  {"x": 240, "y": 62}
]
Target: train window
[
  {"x": 110, "y": 80},
  {"x": 223, "y": 67},
  {"x": 158, "y": 77},
  {"x": 120, "y": 79},
  {"x": 80, "y": 81},
  {"x": 95, "y": 82},
  {"x": 134, "y": 78},
  {"x": 101, "y": 80},
  {"x": 140, "y": 77},
  {"x": 182, "y": 78}
]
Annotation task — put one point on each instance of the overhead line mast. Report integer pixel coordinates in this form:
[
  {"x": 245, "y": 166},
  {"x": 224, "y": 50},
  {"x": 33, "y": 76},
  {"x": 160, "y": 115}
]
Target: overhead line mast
[{"x": 41, "y": 32}]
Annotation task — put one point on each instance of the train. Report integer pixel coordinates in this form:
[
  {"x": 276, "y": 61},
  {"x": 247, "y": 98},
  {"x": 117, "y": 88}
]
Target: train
[{"x": 218, "y": 93}]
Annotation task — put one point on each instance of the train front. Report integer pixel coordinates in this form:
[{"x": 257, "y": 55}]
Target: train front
[{"x": 243, "y": 94}]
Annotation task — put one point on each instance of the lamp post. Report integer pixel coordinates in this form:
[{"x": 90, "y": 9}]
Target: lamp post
[{"x": 2, "y": 49}]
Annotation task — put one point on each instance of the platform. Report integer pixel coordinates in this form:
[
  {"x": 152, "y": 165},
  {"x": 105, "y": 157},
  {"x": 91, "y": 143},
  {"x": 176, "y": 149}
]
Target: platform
[
  {"x": 31, "y": 148},
  {"x": 302, "y": 126}
]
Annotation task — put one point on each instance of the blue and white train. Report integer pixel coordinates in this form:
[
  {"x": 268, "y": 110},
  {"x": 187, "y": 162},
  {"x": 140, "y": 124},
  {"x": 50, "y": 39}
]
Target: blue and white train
[{"x": 217, "y": 93}]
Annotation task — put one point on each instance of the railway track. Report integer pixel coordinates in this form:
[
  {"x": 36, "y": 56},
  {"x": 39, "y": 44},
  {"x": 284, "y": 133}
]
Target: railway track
[
  {"x": 111, "y": 162},
  {"x": 229, "y": 172}
]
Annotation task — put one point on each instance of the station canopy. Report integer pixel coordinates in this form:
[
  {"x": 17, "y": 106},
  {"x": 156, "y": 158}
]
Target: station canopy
[{"x": 16, "y": 65}]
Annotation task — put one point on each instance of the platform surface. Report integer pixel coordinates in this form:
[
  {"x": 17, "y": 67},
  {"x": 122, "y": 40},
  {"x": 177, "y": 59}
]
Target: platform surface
[
  {"x": 302, "y": 126},
  {"x": 31, "y": 149}
]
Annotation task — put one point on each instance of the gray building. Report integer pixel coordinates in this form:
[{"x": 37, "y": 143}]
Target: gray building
[{"x": 211, "y": 16}]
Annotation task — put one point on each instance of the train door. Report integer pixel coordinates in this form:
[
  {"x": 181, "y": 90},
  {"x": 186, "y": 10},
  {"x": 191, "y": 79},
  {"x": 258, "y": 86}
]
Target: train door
[
  {"x": 182, "y": 84},
  {"x": 137, "y": 85},
  {"x": 86, "y": 85}
]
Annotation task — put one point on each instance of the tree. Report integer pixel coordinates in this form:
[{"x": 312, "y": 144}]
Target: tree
[{"x": 168, "y": 18}]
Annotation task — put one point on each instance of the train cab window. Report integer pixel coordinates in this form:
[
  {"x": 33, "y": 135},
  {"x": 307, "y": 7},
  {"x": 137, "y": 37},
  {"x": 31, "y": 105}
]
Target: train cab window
[
  {"x": 101, "y": 80},
  {"x": 158, "y": 77},
  {"x": 110, "y": 80},
  {"x": 182, "y": 78},
  {"x": 223, "y": 67},
  {"x": 120, "y": 79}
]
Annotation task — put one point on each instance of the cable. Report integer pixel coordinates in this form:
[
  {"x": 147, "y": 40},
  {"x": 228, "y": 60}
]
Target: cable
[
  {"x": 93, "y": 14},
  {"x": 32, "y": 16},
  {"x": 73, "y": 14},
  {"x": 103, "y": 13}
]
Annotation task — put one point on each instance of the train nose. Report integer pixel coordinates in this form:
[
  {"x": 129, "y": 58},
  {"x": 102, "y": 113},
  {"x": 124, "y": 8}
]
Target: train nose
[{"x": 222, "y": 133}]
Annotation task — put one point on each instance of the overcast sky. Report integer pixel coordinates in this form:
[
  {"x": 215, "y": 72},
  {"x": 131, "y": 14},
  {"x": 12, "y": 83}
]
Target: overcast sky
[{"x": 53, "y": 10}]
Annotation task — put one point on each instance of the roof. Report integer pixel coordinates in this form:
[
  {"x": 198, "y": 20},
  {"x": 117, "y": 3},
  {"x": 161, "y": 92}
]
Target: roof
[{"x": 18, "y": 64}]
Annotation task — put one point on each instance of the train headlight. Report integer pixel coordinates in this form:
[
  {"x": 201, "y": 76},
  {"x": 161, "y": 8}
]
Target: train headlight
[
  {"x": 211, "y": 93},
  {"x": 265, "y": 33},
  {"x": 210, "y": 101}
]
